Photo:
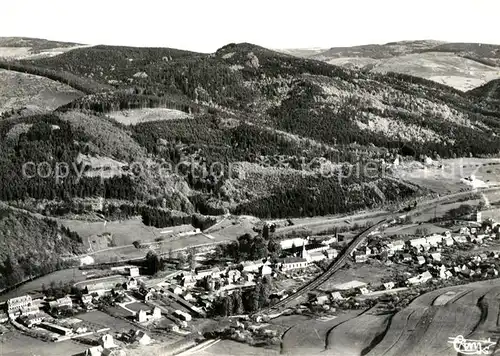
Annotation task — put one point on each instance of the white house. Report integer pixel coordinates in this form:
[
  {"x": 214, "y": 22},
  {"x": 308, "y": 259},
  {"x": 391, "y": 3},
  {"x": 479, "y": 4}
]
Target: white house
[
  {"x": 436, "y": 257},
  {"x": 322, "y": 299},
  {"x": 141, "y": 337},
  {"x": 460, "y": 239},
  {"x": 421, "y": 278},
  {"x": 420, "y": 260},
  {"x": 337, "y": 296},
  {"x": 252, "y": 266},
  {"x": 389, "y": 285},
  {"x": 448, "y": 241},
  {"x": 14, "y": 305},
  {"x": 420, "y": 243},
  {"x": 289, "y": 243},
  {"x": 132, "y": 284},
  {"x": 361, "y": 258},
  {"x": 364, "y": 290},
  {"x": 200, "y": 274},
  {"x": 434, "y": 240},
  {"x": 87, "y": 260},
  {"x": 133, "y": 271},
  {"x": 61, "y": 303},
  {"x": 176, "y": 289},
  {"x": 266, "y": 270},
  {"x": 331, "y": 253},
  {"x": 233, "y": 275},
  {"x": 188, "y": 281},
  {"x": 317, "y": 256},
  {"x": 292, "y": 263},
  {"x": 182, "y": 315},
  {"x": 397, "y": 245}
]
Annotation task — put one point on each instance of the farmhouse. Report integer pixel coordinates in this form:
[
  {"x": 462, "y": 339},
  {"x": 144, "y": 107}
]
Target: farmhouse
[
  {"x": 233, "y": 275},
  {"x": 448, "y": 241},
  {"x": 61, "y": 303}
]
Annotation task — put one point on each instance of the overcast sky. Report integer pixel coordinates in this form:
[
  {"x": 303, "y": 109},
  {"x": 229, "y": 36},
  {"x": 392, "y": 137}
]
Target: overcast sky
[{"x": 205, "y": 25}]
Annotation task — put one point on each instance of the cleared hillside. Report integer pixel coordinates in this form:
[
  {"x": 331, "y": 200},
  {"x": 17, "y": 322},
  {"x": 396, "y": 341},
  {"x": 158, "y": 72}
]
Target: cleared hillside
[
  {"x": 19, "y": 90},
  {"x": 25, "y": 47},
  {"x": 463, "y": 66}
]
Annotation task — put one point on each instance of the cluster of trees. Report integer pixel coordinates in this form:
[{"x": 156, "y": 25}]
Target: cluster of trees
[
  {"x": 32, "y": 247},
  {"x": 239, "y": 303},
  {"x": 107, "y": 102},
  {"x": 48, "y": 145},
  {"x": 248, "y": 248},
  {"x": 312, "y": 196}
]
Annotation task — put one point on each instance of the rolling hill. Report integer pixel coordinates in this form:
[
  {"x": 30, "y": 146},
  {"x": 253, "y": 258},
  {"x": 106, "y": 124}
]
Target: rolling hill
[
  {"x": 26, "y": 47},
  {"x": 463, "y": 66},
  {"x": 166, "y": 133}
]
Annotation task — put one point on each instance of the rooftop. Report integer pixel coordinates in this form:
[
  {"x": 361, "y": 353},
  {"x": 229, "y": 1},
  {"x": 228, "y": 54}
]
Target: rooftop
[{"x": 349, "y": 285}]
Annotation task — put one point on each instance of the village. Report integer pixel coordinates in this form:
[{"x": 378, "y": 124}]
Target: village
[{"x": 127, "y": 306}]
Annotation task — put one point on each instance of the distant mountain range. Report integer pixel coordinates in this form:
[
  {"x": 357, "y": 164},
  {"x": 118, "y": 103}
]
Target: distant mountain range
[{"x": 463, "y": 66}]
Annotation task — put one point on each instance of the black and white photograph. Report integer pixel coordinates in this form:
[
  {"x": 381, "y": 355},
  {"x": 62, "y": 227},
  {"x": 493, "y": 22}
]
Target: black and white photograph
[{"x": 264, "y": 178}]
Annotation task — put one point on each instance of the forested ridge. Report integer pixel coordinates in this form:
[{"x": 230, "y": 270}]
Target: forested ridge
[{"x": 248, "y": 104}]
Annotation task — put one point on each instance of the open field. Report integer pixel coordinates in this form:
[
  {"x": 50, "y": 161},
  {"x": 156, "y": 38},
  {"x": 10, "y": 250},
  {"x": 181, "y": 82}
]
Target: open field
[
  {"x": 371, "y": 272},
  {"x": 307, "y": 336},
  {"x": 424, "y": 326},
  {"x": 138, "y": 116},
  {"x": 446, "y": 68},
  {"x": 16, "y": 344},
  {"x": 138, "y": 306},
  {"x": 106, "y": 321},
  {"x": 231, "y": 348},
  {"x": 123, "y": 232},
  {"x": 66, "y": 275},
  {"x": 355, "y": 336},
  {"x": 18, "y": 90},
  {"x": 412, "y": 229},
  {"x": 447, "y": 179}
]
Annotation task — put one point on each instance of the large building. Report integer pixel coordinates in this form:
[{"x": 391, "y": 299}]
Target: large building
[{"x": 14, "y": 305}]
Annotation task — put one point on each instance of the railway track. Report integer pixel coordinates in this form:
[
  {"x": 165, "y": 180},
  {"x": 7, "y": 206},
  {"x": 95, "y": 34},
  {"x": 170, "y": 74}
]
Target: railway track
[{"x": 332, "y": 269}]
